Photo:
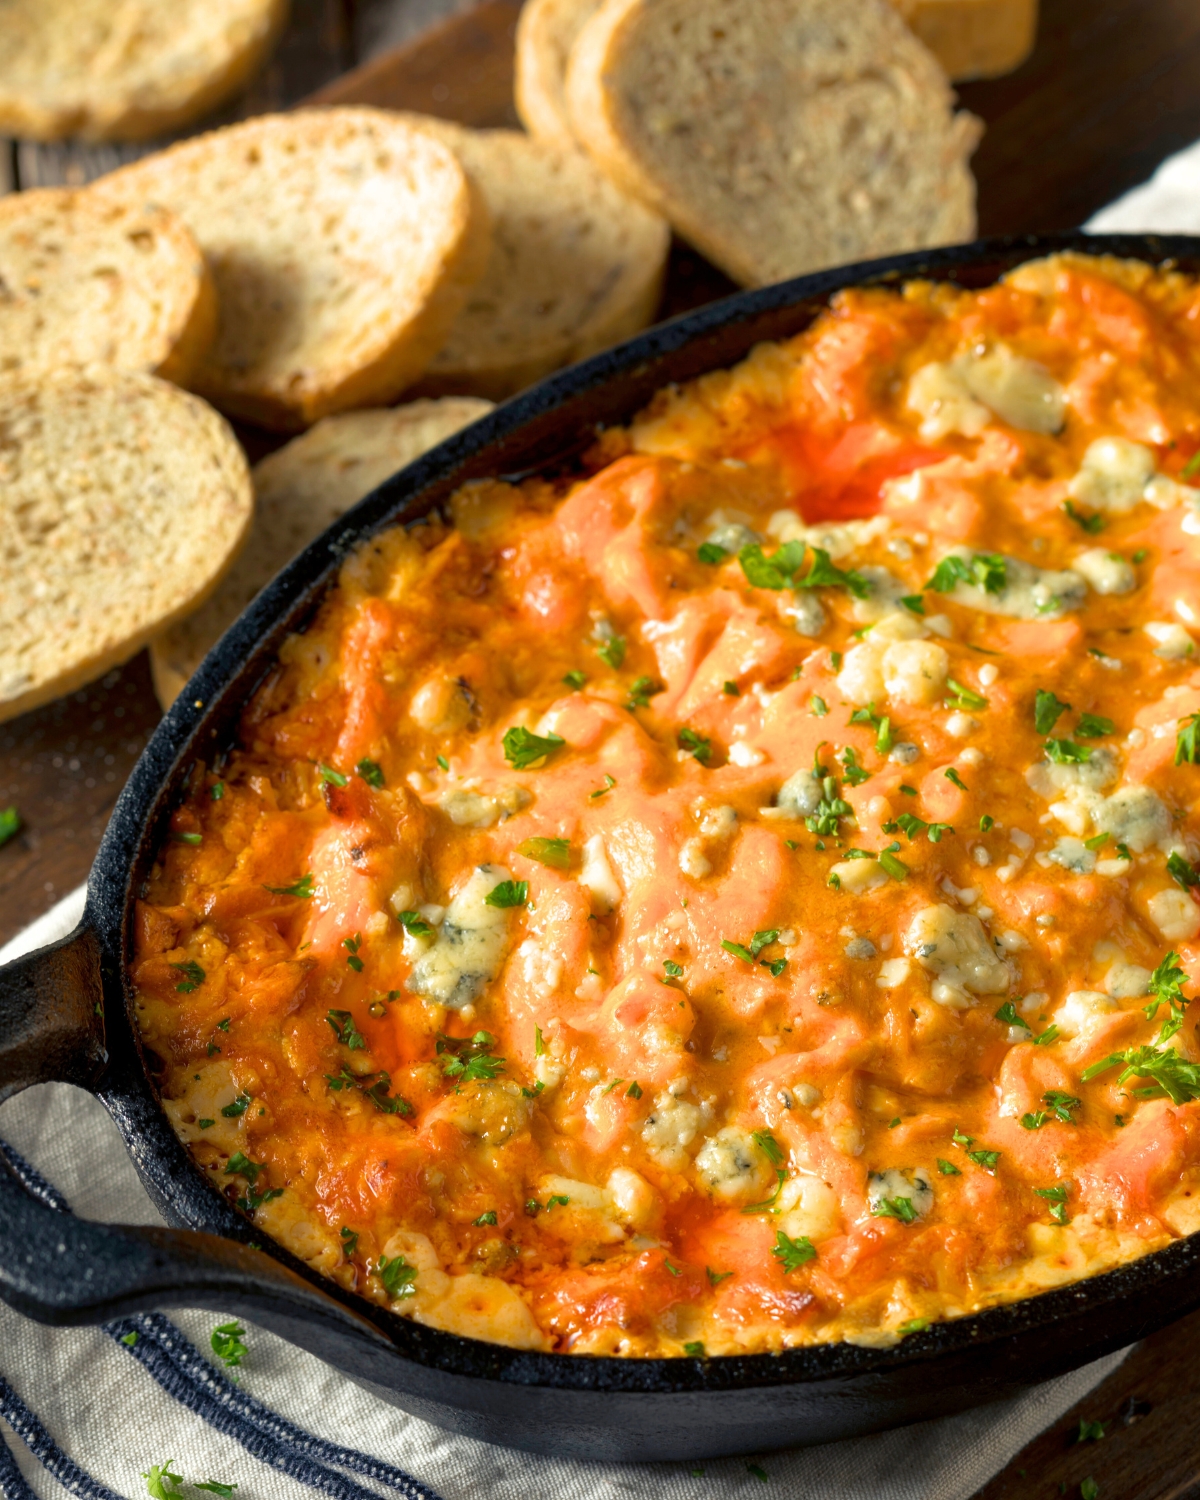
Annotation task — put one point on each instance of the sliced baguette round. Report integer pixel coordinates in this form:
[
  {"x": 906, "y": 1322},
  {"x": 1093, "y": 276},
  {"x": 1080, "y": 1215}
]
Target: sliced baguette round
[
  {"x": 778, "y": 136},
  {"x": 300, "y": 490},
  {"x": 546, "y": 32},
  {"x": 84, "y": 281},
  {"x": 122, "y": 501},
  {"x": 125, "y": 70},
  {"x": 974, "y": 38},
  {"x": 576, "y": 265},
  {"x": 343, "y": 243}
]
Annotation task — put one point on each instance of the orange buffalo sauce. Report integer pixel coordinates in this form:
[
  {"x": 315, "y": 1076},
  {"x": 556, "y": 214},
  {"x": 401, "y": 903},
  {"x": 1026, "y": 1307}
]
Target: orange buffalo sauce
[{"x": 744, "y": 896}]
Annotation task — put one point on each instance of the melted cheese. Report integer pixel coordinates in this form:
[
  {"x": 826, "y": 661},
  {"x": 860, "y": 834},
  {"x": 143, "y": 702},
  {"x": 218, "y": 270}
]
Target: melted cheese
[{"x": 606, "y": 938}]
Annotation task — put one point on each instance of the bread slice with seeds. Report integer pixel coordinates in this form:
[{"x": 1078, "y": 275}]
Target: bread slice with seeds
[
  {"x": 546, "y": 32},
  {"x": 343, "y": 243},
  {"x": 300, "y": 490},
  {"x": 576, "y": 265},
  {"x": 122, "y": 502},
  {"x": 778, "y": 136},
  {"x": 84, "y": 281},
  {"x": 126, "y": 70}
]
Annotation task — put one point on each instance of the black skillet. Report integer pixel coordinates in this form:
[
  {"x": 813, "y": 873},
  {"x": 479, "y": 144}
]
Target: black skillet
[{"x": 65, "y": 1013}]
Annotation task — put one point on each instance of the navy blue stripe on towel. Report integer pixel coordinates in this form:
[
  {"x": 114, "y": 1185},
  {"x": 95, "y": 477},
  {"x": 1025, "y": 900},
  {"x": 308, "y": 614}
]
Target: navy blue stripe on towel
[
  {"x": 13, "y": 1484},
  {"x": 46, "y": 1450},
  {"x": 186, "y": 1375}
]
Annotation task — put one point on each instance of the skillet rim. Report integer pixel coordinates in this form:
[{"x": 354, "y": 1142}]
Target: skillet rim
[{"x": 200, "y": 720}]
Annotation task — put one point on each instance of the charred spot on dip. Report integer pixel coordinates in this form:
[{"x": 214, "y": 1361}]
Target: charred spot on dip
[{"x": 802, "y": 897}]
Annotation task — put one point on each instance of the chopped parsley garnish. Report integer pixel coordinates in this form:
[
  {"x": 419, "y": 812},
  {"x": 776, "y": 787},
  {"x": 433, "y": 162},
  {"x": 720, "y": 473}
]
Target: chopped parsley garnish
[
  {"x": 769, "y": 1146},
  {"x": 1047, "y": 710},
  {"x": 215, "y": 1487},
  {"x": 823, "y": 574},
  {"x": 1182, "y": 871},
  {"x": 228, "y": 1344},
  {"x": 695, "y": 1349},
  {"x": 830, "y": 809},
  {"x": 853, "y": 773},
  {"x": 469, "y": 1059},
  {"x": 715, "y": 1278},
  {"x": 332, "y": 777},
  {"x": 819, "y": 708},
  {"x": 914, "y": 602},
  {"x": 612, "y": 651},
  {"x": 485, "y": 1220},
  {"x": 216, "y": 792},
  {"x": 894, "y": 1208},
  {"x": 1094, "y": 727},
  {"x": 1090, "y": 1432},
  {"x": 910, "y": 824},
  {"x": 575, "y": 679},
  {"x": 539, "y": 1045},
  {"x": 731, "y": 690},
  {"x": 524, "y": 749},
  {"x": 985, "y": 1159},
  {"x": 696, "y": 745},
  {"x": 397, "y": 1277},
  {"x": 793, "y": 1253},
  {"x": 603, "y": 791},
  {"x": 553, "y": 852},
  {"x": 759, "y": 1473},
  {"x": 1088, "y": 1489},
  {"x": 385, "y": 1103},
  {"x": 415, "y": 924},
  {"x": 345, "y": 1030},
  {"x": 884, "y": 739},
  {"x": 1067, "y": 752},
  {"x": 239, "y": 1107},
  {"x": 986, "y": 823},
  {"x": 634, "y": 1091},
  {"x": 206, "y": 1124},
  {"x": 673, "y": 970},
  {"x": 1097, "y": 841},
  {"x": 749, "y": 954},
  {"x": 1123, "y": 852},
  {"x": 1057, "y": 1199},
  {"x": 1091, "y": 524},
  {"x": 349, "y": 1241},
  {"x": 953, "y": 776},
  {"x": 1187, "y": 745},
  {"x": 1047, "y": 1037},
  {"x": 1191, "y": 468},
  {"x": 352, "y": 945},
  {"x": 947, "y": 1168},
  {"x": 508, "y": 893},
  {"x": 1167, "y": 1070},
  {"x": 986, "y": 570},
  {"x": 302, "y": 890},
  {"x": 1166, "y": 985},
  {"x": 371, "y": 772},
  {"x": 1009, "y": 1015},
  {"x": 182, "y": 838},
  {"x": 193, "y": 976},
  {"x": 1061, "y": 1106},
  {"x": 161, "y": 1483},
  {"x": 775, "y": 572},
  {"x": 889, "y": 863},
  {"x": 964, "y": 697},
  {"x": 560, "y": 1200},
  {"x": 129, "y": 1340},
  {"x": 914, "y": 1325},
  {"x": 768, "y": 1203},
  {"x": 710, "y": 553},
  {"x": 641, "y": 691},
  {"x": 443, "y": 762}
]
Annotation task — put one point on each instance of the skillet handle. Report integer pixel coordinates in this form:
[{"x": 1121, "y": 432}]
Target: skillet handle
[
  {"x": 52, "y": 1015},
  {"x": 65, "y": 1271}
]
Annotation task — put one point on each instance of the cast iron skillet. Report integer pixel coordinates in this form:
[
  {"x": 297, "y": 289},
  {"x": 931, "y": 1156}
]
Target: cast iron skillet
[{"x": 65, "y": 1013}]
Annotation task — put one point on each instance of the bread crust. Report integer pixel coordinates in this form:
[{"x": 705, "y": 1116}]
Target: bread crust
[
  {"x": 91, "y": 282},
  {"x": 974, "y": 38},
  {"x": 546, "y": 32},
  {"x": 575, "y": 267},
  {"x": 300, "y": 489},
  {"x": 343, "y": 243},
  {"x": 724, "y": 144},
  {"x": 74, "y": 70},
  {"x": 123, "y": 501}
]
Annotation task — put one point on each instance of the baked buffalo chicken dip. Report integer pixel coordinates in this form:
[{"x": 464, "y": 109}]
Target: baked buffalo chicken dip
[{"x": 743, "y": 895}]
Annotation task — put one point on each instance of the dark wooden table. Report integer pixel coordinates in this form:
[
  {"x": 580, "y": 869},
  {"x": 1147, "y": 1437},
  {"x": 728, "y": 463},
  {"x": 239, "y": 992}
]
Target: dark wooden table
[{"x": 1112, "y": 89}]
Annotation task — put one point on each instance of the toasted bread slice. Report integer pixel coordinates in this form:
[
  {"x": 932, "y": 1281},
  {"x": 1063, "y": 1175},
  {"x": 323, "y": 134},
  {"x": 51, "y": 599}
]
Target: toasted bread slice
[
  {"x": 778, "y": 136},
  {"x": 546, "y": 32},
  {"x": 974, "y": 38},
  {"x": 300, "y": 490},
  {"x": 575, "y": 267},
  {"x": 84, "y": 281},
  {"x": 122, "y": 501},
  {"x": 343, "y": 243},
  {"x": 126, "y": 71}
]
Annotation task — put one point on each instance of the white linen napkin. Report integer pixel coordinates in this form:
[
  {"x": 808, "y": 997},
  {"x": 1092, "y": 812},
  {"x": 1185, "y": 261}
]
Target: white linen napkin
[
  {"x": 102, "y": 1409},
  {"x": 97, "y": 1418}
]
